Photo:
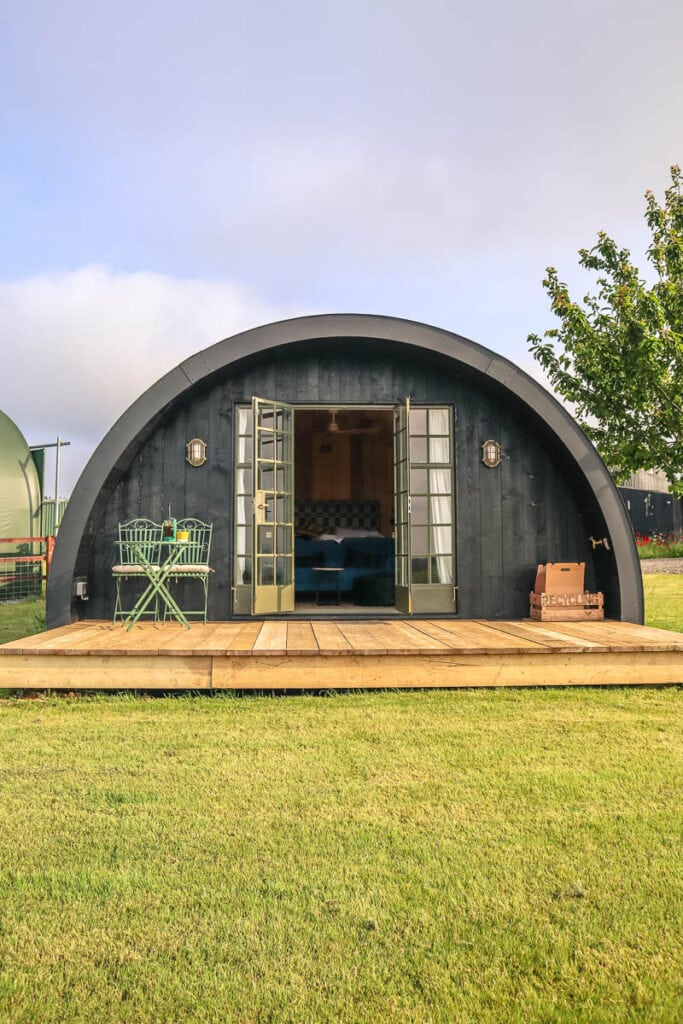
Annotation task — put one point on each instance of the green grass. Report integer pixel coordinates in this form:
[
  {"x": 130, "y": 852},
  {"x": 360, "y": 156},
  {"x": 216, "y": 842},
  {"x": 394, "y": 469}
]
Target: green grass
[
  {"x": 21, "y": 618},
  {"x": 504, "y": 856},
  {"x": 664, "y": 601}
]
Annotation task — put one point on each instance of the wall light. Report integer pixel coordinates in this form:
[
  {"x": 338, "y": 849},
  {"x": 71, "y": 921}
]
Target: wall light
[
  {"x": 491, "y": 453},
  {"x": 196, "y": 451}
]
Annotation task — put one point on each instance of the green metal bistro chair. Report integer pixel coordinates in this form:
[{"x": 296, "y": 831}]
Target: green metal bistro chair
[
  {"x": 193, "y": 563},
  {"x": 137, "y": 538}
]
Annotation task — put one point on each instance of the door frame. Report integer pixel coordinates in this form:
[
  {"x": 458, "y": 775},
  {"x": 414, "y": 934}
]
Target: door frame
[{"x": 421, "y": 598}]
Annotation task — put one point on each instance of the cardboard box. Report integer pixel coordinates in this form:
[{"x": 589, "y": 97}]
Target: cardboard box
[{"x": 560, "y": 578}]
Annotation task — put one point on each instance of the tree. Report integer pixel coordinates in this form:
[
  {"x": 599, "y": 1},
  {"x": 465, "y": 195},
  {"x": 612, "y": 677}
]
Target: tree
[{"x": 618, "y": 355}]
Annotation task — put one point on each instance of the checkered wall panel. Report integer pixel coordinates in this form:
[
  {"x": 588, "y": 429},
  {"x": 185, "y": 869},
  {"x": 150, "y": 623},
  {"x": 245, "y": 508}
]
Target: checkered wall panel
[{"x": 358, "y": 515}]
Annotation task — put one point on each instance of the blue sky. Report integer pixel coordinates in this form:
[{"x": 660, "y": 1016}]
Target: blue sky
[{"x": 172, "y": 173}]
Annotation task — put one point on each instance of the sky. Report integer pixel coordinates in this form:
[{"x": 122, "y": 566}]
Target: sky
[{"x": 173, "y": 173}]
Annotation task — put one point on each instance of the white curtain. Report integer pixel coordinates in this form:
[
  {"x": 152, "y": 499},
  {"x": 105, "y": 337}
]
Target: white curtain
[{"x": 441, "y": 515}]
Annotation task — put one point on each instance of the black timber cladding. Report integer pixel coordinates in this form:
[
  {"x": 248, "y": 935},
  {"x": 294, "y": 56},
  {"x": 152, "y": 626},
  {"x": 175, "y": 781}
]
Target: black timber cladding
[{"x": 536, "y": 506}]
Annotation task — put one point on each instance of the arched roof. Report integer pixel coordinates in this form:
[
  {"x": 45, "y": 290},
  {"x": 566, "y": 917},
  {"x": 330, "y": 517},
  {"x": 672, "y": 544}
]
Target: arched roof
[
  {"x": 191, "y": 372},
  {"x": 19, "y": 483}
]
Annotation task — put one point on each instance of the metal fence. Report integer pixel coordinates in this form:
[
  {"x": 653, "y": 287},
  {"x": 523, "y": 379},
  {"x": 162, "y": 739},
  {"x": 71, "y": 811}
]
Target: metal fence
[
  {"x": 51, "y": 514},
  {"x": 24, "y": 566}
]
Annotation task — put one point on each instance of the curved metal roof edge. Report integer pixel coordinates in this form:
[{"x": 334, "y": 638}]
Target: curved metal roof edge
[{"x": 203, "y": 364}]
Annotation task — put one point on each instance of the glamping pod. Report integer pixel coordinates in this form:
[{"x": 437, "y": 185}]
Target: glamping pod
[
  {"x": 19, "y": 485},
  {"x": 358, "y": 461}
]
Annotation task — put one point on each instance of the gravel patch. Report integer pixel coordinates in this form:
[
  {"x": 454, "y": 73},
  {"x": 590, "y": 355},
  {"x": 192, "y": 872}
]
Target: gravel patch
[{"x": 661, "y": 565}]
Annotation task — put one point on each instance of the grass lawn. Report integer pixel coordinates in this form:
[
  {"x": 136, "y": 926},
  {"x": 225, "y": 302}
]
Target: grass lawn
[
  {"x": 430, "y": 857},
  {"x": 21, "y": 618},
  {"x": 485, "y": 857},
  {"x": 664, "y": 601}
]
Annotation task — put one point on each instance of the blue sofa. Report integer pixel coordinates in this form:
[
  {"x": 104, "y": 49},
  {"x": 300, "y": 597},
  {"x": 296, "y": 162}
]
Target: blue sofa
[{"x": 357, "y": 556}]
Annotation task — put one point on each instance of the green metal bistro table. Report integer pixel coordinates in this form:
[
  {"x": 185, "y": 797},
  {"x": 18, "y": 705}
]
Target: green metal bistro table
[{"x": 157, "y": 576}]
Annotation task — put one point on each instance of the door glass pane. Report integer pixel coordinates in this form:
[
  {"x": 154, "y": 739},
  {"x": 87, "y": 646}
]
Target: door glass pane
[
  {"x": 266, "y": 573},
  {"x": 244, "y": 449},
  {"x": 266, "y": 445},
  {"x": 283, "y": 571},
  {"x": 442, "y": 569},
  {"x": 244, "y": 420},
  {"x": 243, "y": 509},
  {"x": 418, "y": 421},
  {"x": 441, "y": 539},
  {"x": 283, "y": 506},
  {"x": 439, "y": 421},
  {"x": 419, "y": 510},
  {"x": 418, "y": 481},
  {"x": 266, "y": 478},
  {"x": 243, "y": 481},
  {"x": 439, "y": 449},
  {"x": 266, "y": 540},
  {"x": 267, "y": 417},
  {"x": 242, "y": 571},
  {"x": 441, "y": 509},
  {"x": 282, "y": 479},
  {"x": 283, "y": 539},
  {"x": 418, "y": 449},
  {"x": 418, "y": 540},
  {"x": 440, "y": 481},
  {"x": 243, "y": 540},
  {"x": 283, "y": 447},
  {"x": 419, "y": 570}
]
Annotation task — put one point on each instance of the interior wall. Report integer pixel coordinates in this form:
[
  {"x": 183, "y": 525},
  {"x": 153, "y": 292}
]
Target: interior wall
[{"x": 354, "y": 463}]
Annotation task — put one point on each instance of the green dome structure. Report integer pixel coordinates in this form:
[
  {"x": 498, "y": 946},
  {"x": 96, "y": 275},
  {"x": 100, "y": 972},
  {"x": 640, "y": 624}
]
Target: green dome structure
[{"x": 19, "y": 486}]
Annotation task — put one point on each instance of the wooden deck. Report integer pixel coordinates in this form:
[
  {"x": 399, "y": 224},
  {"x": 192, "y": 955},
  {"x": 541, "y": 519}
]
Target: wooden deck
[{"x": 341, "y": 654}]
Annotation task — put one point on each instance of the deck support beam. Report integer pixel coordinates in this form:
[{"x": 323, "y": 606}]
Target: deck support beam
[{"x": 343, "y": 671}]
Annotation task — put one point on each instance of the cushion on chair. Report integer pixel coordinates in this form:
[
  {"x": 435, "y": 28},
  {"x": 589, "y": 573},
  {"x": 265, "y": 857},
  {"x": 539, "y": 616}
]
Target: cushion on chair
[
  {"x": 177, "y": 570},
  {"x": 131, "y": 570}
]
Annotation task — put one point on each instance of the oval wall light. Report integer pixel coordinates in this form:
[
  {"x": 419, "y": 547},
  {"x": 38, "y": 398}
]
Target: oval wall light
[
  {"x": 196, "y": 451},
  {"x": 491, "y": 453}
]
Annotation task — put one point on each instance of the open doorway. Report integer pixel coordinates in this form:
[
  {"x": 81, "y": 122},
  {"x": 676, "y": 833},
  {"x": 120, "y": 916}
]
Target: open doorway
[{"x": 344, "y": 510}]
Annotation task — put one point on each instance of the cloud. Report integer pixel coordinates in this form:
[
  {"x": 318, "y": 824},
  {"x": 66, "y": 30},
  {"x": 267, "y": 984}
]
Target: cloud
[{"x": 82, "y": 345}]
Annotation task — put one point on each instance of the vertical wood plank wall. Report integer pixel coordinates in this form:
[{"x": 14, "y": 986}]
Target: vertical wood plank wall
[{"x": 534, "y": 507}]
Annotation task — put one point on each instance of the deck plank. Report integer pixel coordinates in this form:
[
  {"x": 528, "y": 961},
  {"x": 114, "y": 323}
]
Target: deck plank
[
  {"x": 196, "y": 640},
  {"x": 434, "y": 630},
  {"x": 551, "y": 635},
  {"x": 246, "y": 638},
  {"x": 329, "y": 638},
  {"x": 301, "y": 638},
  {"x": 624, "y": 636},
  {"x": 217, "y": 641},
  {"x": 393, "y": 639},
  {"x": 473, "y": 633},
  {"x": 360, "y": 638},
  {"x": 420, "y": 638},
  {"x": 272, "y": 638}
]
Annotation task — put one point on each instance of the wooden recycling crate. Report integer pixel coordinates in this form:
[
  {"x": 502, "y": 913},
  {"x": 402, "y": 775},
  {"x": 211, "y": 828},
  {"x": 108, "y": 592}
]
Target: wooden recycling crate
[
  {"x": 570, "y": 607},
  {"x": 559, "y": 595}
]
